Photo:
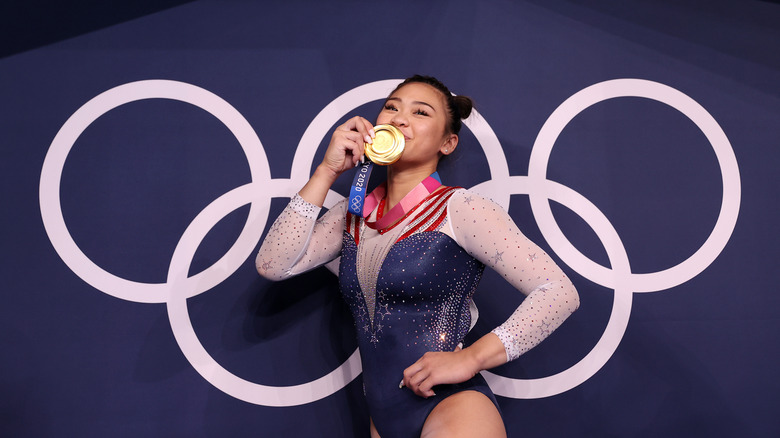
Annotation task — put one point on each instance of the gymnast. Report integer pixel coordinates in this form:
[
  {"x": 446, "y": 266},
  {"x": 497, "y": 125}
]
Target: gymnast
[{"x": 409, "y": 268}]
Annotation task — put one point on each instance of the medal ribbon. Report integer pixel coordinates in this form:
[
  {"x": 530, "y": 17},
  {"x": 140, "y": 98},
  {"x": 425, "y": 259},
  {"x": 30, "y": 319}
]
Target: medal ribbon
[
  {"x": 414, "y": 197},
  {"x": 357, "y": 194},
  {"x": 362, "y": 205}
]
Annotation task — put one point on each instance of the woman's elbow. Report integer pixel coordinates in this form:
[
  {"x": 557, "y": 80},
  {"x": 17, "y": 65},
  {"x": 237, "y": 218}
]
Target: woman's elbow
[{"x": 265, "y": 267}]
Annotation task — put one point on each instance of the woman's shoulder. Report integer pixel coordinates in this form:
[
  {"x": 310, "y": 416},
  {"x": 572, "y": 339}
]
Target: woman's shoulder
[
  {"x": 470, "y": 199},
  {"x": 474, "y": 216},
  {"x": 469, "y": 208}
]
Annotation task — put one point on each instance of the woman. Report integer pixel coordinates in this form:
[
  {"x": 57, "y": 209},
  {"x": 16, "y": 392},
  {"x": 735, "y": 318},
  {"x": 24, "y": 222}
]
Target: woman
[{"x": 408, "y": 276}]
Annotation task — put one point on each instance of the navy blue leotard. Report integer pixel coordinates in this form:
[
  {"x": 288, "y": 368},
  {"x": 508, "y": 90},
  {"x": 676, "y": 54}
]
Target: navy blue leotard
[
  {"x": 422, "y": 298},
  {"x": 409, "y": 287}
]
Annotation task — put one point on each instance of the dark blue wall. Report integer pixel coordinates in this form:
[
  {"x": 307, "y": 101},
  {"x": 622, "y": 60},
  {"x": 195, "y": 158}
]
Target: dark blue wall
[{"x": 98, "y": 340}]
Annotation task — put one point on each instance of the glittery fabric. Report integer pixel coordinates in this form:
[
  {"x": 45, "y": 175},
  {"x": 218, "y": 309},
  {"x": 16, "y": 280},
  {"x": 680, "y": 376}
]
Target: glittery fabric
[
  {"x": 297, "y": 243},
  {"x": 422, "y": 295},
  {"x": 488, "y": 234},
  {"x": 303, "y": 208},
  {"x": 423, "y": 289},
  {"x": 410, "y": 288}
]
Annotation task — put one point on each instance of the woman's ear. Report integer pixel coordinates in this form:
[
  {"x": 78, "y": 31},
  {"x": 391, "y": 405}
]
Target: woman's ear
[{"x": 449, "y": 145}]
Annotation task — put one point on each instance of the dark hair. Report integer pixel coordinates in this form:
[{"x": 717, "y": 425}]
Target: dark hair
[{"x": 458, "y": 107}]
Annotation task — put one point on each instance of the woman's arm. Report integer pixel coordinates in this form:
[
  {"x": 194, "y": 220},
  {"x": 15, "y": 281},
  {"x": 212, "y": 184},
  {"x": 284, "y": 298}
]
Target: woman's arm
[
  {"x": 487, "y": 232},
  {"x": 297, "y": 241}
]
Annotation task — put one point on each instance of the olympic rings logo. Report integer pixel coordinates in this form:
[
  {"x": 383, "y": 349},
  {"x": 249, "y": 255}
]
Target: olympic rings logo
[
  {"x": 357, "y": 203},
  {"x": 178, "y": 287}
]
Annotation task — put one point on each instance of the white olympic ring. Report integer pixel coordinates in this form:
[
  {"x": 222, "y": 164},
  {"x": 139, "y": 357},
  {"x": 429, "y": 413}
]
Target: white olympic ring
[
  {"x": 179, "y": 287},
  {"x": 620, "y": 278}
]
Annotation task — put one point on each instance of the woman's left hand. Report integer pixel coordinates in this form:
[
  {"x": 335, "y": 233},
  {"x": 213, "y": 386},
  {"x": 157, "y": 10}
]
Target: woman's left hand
[{"x": 439, "y": 367}]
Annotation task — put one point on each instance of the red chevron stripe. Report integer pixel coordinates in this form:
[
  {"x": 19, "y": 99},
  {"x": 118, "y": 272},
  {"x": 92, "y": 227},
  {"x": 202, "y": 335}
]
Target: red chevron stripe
[{"x": 439, "y": 212}]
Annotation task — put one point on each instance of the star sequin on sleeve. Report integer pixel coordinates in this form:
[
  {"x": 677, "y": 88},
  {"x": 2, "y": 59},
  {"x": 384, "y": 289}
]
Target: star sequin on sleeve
[
  {"x": 275, "y": 226},
  {"x": 545, "y": 328},
  {"x": 498, "y": 257}
]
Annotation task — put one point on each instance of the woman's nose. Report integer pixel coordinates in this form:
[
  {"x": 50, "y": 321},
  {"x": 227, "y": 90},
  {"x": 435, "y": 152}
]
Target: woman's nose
[{"x": 399, "y": 119}]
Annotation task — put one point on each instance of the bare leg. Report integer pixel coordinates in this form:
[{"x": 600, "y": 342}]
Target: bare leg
[
  {"x": 374, "y": 433},
  {"x": 465, "y": 414}
]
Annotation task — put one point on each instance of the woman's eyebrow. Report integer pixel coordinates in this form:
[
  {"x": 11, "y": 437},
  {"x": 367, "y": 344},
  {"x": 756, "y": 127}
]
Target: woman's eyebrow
[{"x": 415, "y": 102}]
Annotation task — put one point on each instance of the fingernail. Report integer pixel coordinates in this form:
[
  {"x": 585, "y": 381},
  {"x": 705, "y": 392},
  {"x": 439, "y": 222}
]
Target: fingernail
[
  {"x": 368, "y": 139},
  {"x": 401, "y": 385},
  {"x": 373, "y": 134}
]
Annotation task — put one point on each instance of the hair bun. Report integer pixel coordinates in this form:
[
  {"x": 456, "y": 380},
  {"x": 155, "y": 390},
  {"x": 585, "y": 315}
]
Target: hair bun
[{"x": 462, "y": 106}]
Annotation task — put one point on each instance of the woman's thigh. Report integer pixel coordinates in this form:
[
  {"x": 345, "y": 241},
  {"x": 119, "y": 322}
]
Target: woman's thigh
[{"x": 464, "y": 414}]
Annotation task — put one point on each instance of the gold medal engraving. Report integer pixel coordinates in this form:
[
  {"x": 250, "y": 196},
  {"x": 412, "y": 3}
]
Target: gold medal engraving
[{"x": 387, "y": 147}]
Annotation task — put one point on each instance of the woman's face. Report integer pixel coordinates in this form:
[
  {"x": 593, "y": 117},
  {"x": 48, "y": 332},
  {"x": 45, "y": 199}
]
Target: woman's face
[{"x": 420, "y": 112}]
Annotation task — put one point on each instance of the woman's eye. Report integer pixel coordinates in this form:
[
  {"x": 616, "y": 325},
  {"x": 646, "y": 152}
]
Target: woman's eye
[
  {"x": 421, "y": 112},
  {"x": 390, "y": 107}
]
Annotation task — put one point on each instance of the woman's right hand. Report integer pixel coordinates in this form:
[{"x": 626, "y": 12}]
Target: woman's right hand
[
  {"x": 347, "y": 145},
  {"x": 344, "y": 152}
]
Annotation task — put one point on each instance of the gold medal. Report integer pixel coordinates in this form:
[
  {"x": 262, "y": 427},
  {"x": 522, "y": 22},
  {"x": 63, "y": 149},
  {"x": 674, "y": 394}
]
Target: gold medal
[{"x": 387, "y": 147}]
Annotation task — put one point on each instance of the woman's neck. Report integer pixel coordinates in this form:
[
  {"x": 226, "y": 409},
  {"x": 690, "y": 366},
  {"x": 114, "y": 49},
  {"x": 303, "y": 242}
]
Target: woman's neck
[{"x": 401, "y": 182}]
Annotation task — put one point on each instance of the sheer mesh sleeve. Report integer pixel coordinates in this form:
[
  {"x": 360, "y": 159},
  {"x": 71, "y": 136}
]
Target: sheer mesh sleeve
[
  {"x": 486, "y": 231},
  {"x": 298, "y": 241}
]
